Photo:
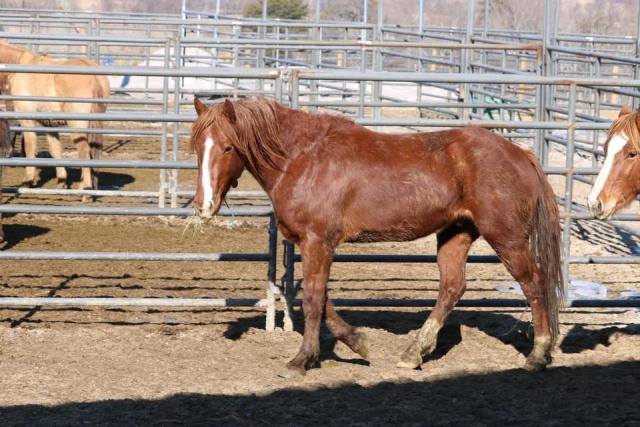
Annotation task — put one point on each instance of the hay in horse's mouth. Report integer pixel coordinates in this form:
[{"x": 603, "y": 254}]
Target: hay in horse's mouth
[{"x": 195, "y": 220}]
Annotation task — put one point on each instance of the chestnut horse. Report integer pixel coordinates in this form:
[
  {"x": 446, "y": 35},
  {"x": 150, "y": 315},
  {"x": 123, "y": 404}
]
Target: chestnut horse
[
  {"x": 618, "y": 182},
  {"x": 332, "y": 181},
  {"x": 63, "y": 85}
]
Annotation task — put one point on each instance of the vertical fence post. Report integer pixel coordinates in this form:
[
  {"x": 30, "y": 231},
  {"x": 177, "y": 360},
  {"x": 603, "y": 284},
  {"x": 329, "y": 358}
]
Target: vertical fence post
[
  {"x": 288, "y": 286},
  {"x": 260, "y": 54},
  {"x": 235, "y": 62},
  {"x": 539, "y": 116},
  {"x": 465, "y": 60},
  {"x": 362, "y": 86},
  {"x": 314, "y": 87},
  {"x": 271, "y": 275},
  {"x": 147, "y": 60},
  {"x": 636, "y": 68},
  {"x": 96, "y": 45},
  {"x": 548, "y": 40},
  {"x": 277, "y": 90},
  {"x": 420, "y": 64},
  {"x": 596, "y": 112},
  {"x": 294, "y": 87},
  {"x": 378, "y": 60},
  {"x": 176, "y": 126},
  {"x": 568, "y": 186},
  {"x": 163, "y": 137},
  {"x": 288, "y": 259}
]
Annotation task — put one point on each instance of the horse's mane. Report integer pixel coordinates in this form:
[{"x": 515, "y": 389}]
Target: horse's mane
[
  {"x": 257, "y": 134},
  {"x": 628, "y": 125}
]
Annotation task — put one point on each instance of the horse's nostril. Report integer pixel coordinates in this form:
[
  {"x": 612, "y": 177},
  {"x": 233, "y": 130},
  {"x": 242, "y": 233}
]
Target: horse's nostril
[{"x": 599, "y": 206}]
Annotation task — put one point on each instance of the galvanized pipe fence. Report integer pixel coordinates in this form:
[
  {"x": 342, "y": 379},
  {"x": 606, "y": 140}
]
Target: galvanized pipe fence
[{"x": 525, "y": 86}]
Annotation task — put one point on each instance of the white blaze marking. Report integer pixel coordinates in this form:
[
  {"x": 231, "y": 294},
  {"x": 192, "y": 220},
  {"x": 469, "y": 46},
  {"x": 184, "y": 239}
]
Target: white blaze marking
[
  {"x": 205, "y": 179},
  {"x": 616, "y": 144}
]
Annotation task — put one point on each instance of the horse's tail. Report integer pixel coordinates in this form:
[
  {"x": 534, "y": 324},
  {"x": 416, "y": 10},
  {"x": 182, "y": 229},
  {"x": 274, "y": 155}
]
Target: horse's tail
[
  {"x": 100, "y": 90},
  {"x": 545, "y": 242}
]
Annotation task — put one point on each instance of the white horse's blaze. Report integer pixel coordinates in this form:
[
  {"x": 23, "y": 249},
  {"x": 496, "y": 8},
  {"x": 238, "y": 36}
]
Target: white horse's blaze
[
  {"x": 205, "y": 179},
  {"x": 616, "y": 144}
]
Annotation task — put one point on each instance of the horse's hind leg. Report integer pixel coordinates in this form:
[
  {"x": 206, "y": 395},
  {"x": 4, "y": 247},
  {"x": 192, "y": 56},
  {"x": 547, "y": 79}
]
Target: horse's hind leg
[
  {"x": 55, "y": 149},
  {"x": 29, "y": 142},
  {"x": 519, "y": 261},
  {"x": 95, "y": 151},
  {"x": 354, "y": 339},
  {"x": 453, "y": 246},
  {"x": 82, "y": 143}
]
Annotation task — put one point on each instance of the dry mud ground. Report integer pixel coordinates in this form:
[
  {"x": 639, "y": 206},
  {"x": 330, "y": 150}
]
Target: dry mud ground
[{"x": 68, "y": 366}]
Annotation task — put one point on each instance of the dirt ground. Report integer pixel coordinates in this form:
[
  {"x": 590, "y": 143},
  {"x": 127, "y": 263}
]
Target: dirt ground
[{"x": 133, "y": 366}]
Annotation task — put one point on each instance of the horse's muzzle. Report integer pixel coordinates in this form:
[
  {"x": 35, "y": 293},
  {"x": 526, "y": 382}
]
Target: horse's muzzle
[
  {"x": 595, "y": 208},
  {"x": 204, "y": 213}
]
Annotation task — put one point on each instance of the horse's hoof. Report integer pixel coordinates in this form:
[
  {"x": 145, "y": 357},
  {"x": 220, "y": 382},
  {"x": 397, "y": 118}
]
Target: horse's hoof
[
  {"x": 303, "y": 362},
  {"x": 62, "y": 183},
  {"x": 410, "y": 360},
  {"x": 87, "y": 199},
  {"x": 535, "y": 364},
  {"x": 293, "y": 369},
  {"x": 28, "y": 183},
  {"x": 360, "y": 345},
  {"x": 409, "y": 364}
]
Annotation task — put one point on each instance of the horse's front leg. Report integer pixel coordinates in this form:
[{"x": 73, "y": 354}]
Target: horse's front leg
[
  {"x": 82, "y": 145},
  {"x": 317, "y": 255},
  {"x": 29, "y": 140},
  {"x": 55, "y": 149}
]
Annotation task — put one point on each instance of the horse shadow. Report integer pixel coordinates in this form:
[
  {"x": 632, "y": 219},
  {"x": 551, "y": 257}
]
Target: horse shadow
[
  {"x": 580, "y": 339},
  {"x": 16, "y": 233},
  {"x": 505, "y": 327},
  {"x": 107, "y": 180},
  {"x": 502, "y": 326}
]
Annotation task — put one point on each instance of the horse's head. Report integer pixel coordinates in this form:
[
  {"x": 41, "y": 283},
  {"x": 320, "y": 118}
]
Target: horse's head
[
  {"x": 219, "y": 163},
  {"x": 619, "y": 180}
]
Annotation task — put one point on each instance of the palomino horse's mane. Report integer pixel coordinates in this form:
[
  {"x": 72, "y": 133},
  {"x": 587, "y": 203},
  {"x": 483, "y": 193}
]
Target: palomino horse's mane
[
  {"x": 627, "y": 125},
  {"x": 257, "y": 134}
]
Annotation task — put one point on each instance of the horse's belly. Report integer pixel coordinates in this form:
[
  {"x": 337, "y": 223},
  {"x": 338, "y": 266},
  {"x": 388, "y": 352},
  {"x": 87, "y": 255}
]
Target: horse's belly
[{"x": 404, "y": 226}]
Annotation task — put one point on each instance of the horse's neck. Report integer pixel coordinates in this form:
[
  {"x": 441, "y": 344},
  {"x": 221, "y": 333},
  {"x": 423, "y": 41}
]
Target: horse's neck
[
  {"x": 11, "y": 54},
  {"x": 295, "y": 136},
  {"x": 268, "y": 177}
]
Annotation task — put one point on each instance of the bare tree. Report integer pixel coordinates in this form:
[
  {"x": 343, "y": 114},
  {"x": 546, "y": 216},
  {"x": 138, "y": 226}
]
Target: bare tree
[{"x": 520, "y": 15}]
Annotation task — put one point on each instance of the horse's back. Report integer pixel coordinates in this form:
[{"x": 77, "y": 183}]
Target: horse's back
[
  {"x": 72, "y": 85},
  {"x": 405, "y": 186}
]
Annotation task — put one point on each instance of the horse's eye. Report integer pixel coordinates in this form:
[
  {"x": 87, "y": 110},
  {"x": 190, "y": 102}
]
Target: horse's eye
[
  {"x": 631, "y": 154},
  {"x": 228, "y": 149}
]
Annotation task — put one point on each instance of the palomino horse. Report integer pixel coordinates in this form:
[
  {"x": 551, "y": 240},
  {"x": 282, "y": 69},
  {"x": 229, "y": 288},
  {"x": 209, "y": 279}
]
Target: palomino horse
[
  {"x": 5, "y": 150},
  {"x": 618, "y": 182},
  {"x": 332, "y": 181},
  {"x": 62, "y": 85}
]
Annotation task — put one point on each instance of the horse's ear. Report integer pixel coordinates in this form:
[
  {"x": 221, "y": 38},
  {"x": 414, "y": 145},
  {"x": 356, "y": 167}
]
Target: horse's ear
[
  {"x": 624, "y": 111},
  {"x": 199, "y": 105},
  {"x": 229, "y": 111}
]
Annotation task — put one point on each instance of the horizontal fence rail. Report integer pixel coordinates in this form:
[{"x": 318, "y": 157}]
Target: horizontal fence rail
[{"x": 552, "y": 92}]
